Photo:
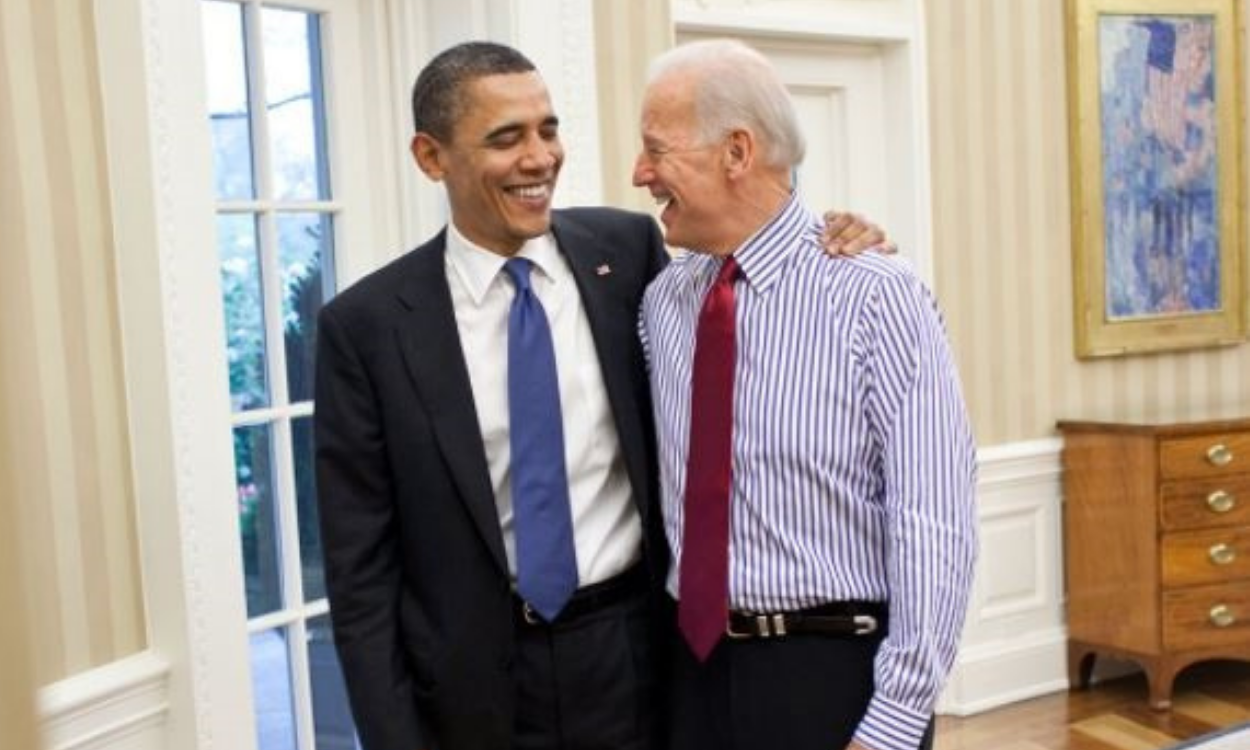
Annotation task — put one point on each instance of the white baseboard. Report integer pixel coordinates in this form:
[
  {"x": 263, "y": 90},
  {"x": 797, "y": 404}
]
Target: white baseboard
[
  {"x": 1014, "y": 641},
  {"x": 120, "y": 706},
  {"x": 1006, "y": 671}
]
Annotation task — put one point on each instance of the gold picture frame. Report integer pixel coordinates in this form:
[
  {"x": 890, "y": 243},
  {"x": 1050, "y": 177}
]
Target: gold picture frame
[{"x": 1155, "y": 119}]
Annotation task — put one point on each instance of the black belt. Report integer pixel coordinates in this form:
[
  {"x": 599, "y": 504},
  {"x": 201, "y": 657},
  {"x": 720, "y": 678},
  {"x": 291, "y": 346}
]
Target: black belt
[
  {"x": 588, "y": 599},
  {"x": 835, "y": 619}
]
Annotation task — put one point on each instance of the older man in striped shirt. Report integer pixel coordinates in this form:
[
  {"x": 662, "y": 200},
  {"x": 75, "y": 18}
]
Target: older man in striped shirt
[{"x": 817, "y": 467}]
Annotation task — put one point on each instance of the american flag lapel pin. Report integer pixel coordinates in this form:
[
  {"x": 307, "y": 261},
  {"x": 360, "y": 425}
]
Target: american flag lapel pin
[{"x": 603, "y": 269}]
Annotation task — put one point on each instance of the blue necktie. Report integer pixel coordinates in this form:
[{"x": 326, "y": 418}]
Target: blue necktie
[{"x": 542, "y": 520}]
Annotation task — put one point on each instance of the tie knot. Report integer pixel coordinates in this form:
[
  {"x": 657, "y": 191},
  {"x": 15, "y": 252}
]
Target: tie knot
[
  {"x": 519, "y": 270},
  {"x": 729, "y": 272}
]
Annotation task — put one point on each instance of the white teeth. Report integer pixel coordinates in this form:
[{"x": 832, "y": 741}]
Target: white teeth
[{"x": 530, "y": 191}]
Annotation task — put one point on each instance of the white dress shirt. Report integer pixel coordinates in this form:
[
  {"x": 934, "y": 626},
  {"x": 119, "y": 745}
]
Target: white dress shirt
[{"x": 606, "y": 528}]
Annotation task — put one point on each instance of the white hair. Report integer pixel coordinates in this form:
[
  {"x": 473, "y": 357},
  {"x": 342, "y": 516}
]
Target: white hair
[{"x": 737, "y": 87}]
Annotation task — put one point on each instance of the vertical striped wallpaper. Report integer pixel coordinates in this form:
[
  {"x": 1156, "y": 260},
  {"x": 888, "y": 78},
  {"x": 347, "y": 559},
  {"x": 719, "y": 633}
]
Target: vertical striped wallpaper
[
  {"x": 62, "y": 399},
  {"x": 17, "y": 708},
  {"x": 1002, "y": 238}
]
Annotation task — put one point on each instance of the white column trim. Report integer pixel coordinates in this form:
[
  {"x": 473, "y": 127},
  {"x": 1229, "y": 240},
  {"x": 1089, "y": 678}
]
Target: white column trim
[
  {"x": 559, "y": 36},
  {"x": 160, "y": 180}
]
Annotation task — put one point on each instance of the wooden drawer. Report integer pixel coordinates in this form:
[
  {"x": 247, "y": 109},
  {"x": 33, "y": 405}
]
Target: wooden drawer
[
  {"x": 1197, "y": 557},
  {"x": 1189, "y": 616},
  {"x": 1208, "y": 503},
  {"x": 1197, "y": 457}
]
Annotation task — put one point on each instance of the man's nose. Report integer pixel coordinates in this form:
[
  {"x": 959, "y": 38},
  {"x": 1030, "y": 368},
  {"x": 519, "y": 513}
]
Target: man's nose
[
  {"x": 643, "y": 172},
  {"x": 540, "y": 154}
]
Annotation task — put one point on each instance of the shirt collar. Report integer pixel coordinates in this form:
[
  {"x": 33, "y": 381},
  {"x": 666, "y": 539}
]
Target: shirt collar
[
  {"x": 763, "y": 256},
  {"x": 478, "y": 267}
]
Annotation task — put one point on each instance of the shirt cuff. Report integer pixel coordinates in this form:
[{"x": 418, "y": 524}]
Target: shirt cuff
[{"x": 889, "y": 726}]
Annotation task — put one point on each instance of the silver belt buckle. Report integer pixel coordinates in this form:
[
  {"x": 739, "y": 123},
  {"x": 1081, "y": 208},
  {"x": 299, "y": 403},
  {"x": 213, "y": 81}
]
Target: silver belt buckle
[
  {"x": 766, "y": 626},
  {"x": 531, "y": 616},
  {"x": 864, "y": 624}
]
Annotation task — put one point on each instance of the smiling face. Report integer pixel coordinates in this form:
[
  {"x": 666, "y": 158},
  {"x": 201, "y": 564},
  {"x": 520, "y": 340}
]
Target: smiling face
[
  {"x": 502, "y": 161},
  {"x": 682, "y": 173}
]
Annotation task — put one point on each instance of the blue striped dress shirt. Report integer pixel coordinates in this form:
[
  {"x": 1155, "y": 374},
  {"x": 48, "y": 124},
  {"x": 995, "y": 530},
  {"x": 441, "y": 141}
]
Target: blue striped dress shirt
[{"x": 853, "y": 462}]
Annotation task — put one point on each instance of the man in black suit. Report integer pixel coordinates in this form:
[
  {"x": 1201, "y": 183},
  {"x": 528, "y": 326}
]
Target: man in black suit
[{"x": 419, "y": 447}]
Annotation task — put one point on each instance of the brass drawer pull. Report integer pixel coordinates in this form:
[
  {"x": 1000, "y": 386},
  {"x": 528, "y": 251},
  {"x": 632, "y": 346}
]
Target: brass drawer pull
[
  {"x": 1222, "y": 554},
  {"x": 1219, "y": 455},
  {"x": 1222, "y": 616},
  {"x": 1221, "y": 501}
]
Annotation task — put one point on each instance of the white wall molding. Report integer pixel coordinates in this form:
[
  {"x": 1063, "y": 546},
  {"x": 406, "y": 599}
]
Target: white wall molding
[
  {"x": 852, "y": 20},
  {"x": 120, "y": 706},
  {"x": 1014, "y": 641},
  {"x": 1003, "y": 466}
]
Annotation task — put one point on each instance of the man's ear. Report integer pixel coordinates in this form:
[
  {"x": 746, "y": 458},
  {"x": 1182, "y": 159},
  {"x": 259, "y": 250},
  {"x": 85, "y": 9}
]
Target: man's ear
[
  {"x": 739, "y": 152},
  {"x": 427, "y": 152}
]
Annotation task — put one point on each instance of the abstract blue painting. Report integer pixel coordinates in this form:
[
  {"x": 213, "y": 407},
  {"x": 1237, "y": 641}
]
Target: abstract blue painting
[{"x": 1158, "y": 128}]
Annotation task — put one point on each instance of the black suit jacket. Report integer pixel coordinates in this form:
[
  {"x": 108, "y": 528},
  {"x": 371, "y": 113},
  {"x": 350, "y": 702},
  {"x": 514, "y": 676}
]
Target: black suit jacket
[{"x": 415, "y": 567}]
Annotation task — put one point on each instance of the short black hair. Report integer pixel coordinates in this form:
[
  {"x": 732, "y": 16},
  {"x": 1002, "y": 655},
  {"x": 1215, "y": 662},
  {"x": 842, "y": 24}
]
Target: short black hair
[{"x": 438, "y": 94}]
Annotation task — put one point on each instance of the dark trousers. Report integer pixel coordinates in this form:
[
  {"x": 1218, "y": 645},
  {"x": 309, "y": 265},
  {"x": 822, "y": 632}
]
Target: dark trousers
[
  {"x": 800, "y": 692},
  {"x": 592, "y": 683}
]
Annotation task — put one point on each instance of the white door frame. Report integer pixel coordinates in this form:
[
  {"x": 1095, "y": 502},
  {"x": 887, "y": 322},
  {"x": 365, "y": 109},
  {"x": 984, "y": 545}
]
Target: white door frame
[{"x": 897, "y": 27}]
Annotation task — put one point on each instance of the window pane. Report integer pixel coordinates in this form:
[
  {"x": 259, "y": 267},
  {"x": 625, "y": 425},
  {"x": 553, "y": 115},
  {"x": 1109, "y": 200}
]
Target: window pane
[
  {"x": 332, "y": 717},
  {"x": 271, "y": 691},
  {"x": 296, "y": 108},
  {"x": 305, "y": 253},
  {"x": 258, "y": 524},
  {"x": 241, "y": 299},
  {"x": 306, "y": 499},
  {"x": 226, "y": 71}
]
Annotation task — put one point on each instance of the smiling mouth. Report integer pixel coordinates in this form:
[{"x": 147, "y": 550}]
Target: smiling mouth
[{"x": 530, "y": 192}]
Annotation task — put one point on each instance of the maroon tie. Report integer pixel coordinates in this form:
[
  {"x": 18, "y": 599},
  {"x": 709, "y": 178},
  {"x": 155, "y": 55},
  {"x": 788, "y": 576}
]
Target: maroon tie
[{"x": 703, "y": 609}]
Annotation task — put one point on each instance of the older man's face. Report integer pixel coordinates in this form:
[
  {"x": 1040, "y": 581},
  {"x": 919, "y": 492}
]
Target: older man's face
[{"x": 682, "y": 173}]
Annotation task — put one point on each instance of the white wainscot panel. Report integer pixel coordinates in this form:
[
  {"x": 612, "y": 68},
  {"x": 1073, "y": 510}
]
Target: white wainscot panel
[
  {"x": 120, "y": 706},
  {"x": 1014, "y": 642}
]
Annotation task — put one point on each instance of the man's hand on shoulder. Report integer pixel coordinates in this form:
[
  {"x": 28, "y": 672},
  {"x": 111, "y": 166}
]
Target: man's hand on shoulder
[
  {"x": 857, "y": 746},
  {"x": 851, "y": 234}
]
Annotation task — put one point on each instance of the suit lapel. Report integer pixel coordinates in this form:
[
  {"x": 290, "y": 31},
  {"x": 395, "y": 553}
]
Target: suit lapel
[
  {"x": 613, "y": 328},
  {"x": 430, "y": 345}
]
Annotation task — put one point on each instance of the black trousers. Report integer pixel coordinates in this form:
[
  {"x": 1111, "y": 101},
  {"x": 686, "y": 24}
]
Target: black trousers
[
  {"x": 800, "y": 692},
  {"x": 593, "y": 683}
]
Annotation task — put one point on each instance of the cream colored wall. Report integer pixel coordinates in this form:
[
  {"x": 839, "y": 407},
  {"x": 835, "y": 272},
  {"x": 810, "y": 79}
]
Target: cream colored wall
[
  {"x": 62, "y": 399},
  {"x": 627, "y": 36},
  {"x": 17, "y": 686},
  {"x": 1002, "y": 238}
]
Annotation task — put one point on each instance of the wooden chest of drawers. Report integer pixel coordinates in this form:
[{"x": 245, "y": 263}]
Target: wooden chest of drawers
[{"x": 1156, "y": 546}]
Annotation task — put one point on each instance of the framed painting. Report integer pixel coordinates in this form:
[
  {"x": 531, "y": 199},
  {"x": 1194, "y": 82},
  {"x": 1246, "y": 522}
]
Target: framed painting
[{"x": 1155, "y": 121}]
